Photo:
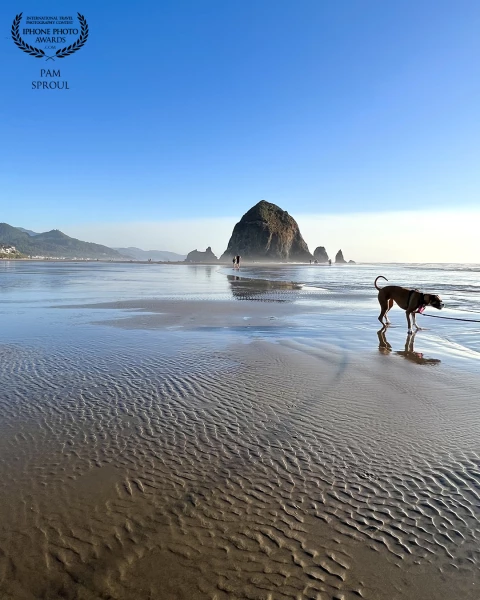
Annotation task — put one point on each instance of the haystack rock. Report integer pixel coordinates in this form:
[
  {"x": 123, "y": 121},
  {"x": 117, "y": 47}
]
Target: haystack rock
[
  {"x": 320, "y": 254},
  {"x": 339, "y": 258},
  {"x": 201, "y": 257},
  {"x": 266, "y": 232}
]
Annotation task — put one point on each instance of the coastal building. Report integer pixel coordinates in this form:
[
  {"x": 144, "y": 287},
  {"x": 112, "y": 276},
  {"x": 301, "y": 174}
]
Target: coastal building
[{"x": 4, "y": 249}]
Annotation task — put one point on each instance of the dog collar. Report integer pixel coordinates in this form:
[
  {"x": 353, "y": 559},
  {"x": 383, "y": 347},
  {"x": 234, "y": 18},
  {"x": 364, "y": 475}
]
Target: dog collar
[{"x": 421, "y": 304}]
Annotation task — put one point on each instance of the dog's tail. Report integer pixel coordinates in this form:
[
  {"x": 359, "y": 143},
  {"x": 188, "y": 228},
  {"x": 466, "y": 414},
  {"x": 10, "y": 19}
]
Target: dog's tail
[{"x": 379, "y": 277}]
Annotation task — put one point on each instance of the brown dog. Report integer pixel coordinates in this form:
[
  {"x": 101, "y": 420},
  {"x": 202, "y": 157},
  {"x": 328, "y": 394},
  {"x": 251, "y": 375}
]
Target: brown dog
[{"x": 411, "y": 301}]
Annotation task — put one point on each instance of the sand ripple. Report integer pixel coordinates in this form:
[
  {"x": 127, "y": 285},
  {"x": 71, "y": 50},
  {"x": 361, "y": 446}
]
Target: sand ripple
[{"x": 175, "y": 468}]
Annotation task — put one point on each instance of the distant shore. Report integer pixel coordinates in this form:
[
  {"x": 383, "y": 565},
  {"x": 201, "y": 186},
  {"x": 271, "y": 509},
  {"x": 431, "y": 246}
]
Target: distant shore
[{"x": 179, "y": 262}]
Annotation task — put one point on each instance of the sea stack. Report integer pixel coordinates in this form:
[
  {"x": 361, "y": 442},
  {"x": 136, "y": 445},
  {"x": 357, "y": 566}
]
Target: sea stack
[
  {"x": 339, "y": 258},
  {"x": 320, "y": 254},
  {"x": 196, "y": 256},
  {"x": 266, "y": 232}
]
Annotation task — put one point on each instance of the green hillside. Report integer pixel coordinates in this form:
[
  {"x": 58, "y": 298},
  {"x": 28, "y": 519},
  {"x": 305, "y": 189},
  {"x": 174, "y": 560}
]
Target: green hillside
[{"x": 54, "y": 244}]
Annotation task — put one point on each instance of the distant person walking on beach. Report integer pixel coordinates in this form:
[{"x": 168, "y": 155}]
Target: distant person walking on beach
[
  {"x": 238, "y": 261},
  {"x": 234, "y": 262}
]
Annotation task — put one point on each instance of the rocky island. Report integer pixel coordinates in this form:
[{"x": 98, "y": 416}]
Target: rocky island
[
  {"x": 267, "y": 233},
  {"x": 196, "y": 256},
  {"x": 320, "y": 255}
]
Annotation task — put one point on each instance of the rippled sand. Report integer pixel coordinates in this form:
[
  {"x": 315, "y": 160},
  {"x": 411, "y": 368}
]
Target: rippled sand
[{"x": 142, "y": 462}]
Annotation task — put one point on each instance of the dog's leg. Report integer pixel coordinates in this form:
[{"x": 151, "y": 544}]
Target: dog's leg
[
  {"x": 390, "y": 304},
  {"x": 415, "y": 323},
  {"x": 408, "y": 313},
  {"x": 383, "y": 311}
]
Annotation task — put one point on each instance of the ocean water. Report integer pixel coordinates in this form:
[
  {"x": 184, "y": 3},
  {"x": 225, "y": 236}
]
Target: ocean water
[
  {"x": 342, "y": 299},
  {"x": 63, "y": 282},
  {"x": 457, "y": 284}
]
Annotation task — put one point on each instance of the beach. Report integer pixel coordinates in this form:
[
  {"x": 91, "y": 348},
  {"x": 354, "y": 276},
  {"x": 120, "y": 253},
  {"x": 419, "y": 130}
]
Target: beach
[{"x": 182, "y": 431}]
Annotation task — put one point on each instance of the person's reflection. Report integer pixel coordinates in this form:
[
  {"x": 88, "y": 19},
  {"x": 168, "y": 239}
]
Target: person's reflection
[{"x": 409, "y": 353}]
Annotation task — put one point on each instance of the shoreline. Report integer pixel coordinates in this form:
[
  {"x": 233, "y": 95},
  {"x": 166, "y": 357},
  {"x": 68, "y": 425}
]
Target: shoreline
[
  {"x": 180, "y": 262},
  {"x": 228, "y": 264}
]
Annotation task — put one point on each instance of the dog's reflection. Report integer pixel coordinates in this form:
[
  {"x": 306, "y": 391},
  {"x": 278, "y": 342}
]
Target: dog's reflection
[{"x": 409, "y": 353}]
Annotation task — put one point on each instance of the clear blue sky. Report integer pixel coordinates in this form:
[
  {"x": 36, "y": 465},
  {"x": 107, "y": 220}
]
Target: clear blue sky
[{"x": 196, "y": 109}]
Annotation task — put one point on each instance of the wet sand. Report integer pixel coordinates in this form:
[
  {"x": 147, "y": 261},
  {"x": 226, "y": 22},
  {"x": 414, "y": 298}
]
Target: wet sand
[{"x": 234, "y": 449}]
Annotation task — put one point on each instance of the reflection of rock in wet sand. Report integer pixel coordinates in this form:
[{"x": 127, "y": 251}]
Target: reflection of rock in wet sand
[
  {"x": 409, "y": 352},
  {"x": 263, "y": 290}
]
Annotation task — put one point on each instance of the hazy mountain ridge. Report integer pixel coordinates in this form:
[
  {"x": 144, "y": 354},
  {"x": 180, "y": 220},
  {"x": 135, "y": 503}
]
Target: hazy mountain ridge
[
  {"x": 154, "y": 255},
  {"x": 29, "y": 231}
]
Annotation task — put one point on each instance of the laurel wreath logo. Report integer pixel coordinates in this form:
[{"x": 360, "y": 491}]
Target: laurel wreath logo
[
  {"x": 79, "y": 43},
  {"x": 38, "y": 52}
]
